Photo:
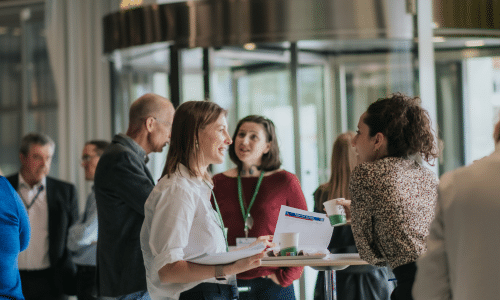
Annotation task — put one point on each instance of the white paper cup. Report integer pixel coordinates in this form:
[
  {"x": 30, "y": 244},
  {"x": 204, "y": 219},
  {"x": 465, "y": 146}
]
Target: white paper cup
[
  {"x": 336, "y": 212},
  {"x": 289, "y": 242}
]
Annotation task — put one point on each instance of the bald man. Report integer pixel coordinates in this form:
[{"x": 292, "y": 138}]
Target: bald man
[{"x": 122, "y": 185}]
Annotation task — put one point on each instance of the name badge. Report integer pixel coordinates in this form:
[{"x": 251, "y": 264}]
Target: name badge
[{"x": 242, "y": 242}]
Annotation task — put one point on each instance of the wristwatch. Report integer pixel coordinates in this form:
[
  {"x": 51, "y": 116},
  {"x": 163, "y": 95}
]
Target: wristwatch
[{"x": 219, "y": 272}]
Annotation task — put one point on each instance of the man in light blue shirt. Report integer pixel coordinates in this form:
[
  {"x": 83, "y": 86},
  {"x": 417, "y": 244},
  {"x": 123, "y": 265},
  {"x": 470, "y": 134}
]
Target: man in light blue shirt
[{"x": 82, "y": 239}]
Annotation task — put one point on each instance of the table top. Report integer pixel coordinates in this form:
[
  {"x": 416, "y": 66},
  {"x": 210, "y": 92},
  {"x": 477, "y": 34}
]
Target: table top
[{"x": 331, "y": 261}]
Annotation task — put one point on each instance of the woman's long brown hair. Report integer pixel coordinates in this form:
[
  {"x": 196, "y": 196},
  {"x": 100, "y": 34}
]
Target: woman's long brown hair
[
  {"x": 189, "y": 119},
  {"x": 342, "y": 163}
]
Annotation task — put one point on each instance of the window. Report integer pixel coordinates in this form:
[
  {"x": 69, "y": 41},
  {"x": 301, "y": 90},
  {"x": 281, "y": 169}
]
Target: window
[{"x": 28, "y": 101}]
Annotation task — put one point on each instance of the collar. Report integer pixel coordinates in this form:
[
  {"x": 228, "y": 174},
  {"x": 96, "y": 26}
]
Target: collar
[
  {"x": 24, "y": 184},
  {"x": 130, "y": 143},
  {"x": 184, "y": 172}
]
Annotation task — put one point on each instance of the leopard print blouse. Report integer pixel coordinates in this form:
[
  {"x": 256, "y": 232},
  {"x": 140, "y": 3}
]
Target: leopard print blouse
[{"x": 393, "y": 202}]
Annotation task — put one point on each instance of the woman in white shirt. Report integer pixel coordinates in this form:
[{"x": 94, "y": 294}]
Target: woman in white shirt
[{"x": 179, "y": 219}]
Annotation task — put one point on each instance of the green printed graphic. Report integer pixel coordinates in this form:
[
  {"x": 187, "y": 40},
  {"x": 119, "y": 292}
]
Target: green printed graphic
[{"x": 337, "y": 220}]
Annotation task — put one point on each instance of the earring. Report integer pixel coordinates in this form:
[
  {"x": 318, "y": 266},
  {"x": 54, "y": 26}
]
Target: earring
[{"x": 196, "y": 145}]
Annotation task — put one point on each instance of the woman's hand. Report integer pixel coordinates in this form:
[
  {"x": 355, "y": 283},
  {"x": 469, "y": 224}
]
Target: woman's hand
[
  {"x": 266, "y": 239},
  {"x": 244, "y": 264},
  {"x": 347, "y": 206}
]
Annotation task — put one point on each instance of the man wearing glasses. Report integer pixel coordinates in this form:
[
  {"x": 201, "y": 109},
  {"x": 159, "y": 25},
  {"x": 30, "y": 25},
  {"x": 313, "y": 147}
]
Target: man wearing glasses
[
  {"x": 122, "y": 185},
  {"x": 82, "y": 238}
]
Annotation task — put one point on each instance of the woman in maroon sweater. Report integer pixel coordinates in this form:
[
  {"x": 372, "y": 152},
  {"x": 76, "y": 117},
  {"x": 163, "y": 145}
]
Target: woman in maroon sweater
[{"x": 250, "y": 197}]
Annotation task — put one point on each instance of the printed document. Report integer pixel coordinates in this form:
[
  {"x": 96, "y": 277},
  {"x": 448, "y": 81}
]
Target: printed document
[{"x": 314, "y": 229}]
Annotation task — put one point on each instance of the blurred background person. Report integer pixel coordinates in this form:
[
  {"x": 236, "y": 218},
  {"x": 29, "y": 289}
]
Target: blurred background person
[
  {"x": 393, "y": 196},
  {"x": 82, "y": 237},
  {"x": 355, "y": 282},
  {"x": 179, "y": 219},
  {"x": 462, "y": 257},
  {"x": 14, "y": 238},
  {"x": 250, "y": 197},
  {"x": 46, "y": 268}
]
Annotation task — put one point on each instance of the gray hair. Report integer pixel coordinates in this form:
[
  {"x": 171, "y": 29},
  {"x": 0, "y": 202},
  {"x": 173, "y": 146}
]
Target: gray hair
[{"x": 35, "y": 138}]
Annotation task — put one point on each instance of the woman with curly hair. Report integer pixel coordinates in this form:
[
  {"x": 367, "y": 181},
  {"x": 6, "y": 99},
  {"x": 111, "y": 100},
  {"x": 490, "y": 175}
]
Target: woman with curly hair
[
  {"x": 355, "y": 282},
  {"x": 393, "y": 196}
]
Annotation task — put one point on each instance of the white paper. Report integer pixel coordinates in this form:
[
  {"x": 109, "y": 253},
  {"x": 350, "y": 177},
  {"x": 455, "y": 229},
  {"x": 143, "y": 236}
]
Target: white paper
[
  {"x": 226, "y": 257},
  {"x": 314, "y": 229}
]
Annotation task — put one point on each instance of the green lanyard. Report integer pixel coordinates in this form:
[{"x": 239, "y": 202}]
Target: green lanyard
[
  {"x": 246, "y": 214},
  {"x": 221, "y": 222}
]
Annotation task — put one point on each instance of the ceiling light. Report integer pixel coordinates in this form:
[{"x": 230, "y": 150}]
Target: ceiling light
[
  {"x": 474, "y": 43},
  {"x": 250, "y": 46},
  {"x": 126, "y": 4}
]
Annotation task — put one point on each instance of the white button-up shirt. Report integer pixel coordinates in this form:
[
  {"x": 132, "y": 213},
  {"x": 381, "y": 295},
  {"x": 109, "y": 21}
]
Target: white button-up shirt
[
  {"x": 179, "y": 223},
  {"x": 36, "y": 256}
]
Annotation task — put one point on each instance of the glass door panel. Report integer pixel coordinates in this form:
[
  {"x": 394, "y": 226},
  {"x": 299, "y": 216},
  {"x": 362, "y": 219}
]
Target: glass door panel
[
  {"x": 468, "y": 94},
  {"x": 9, "y": 142},
  {"x": 27, "y": 93},
  {"x": 312, "y": 120},
  {"x": 482, "y": 104},
  {"x": 192, "y": 75},
  {"x": 450, "y": 114},
  {"x": 312, "y": 111},
  {"x": 10, "y": 90}
]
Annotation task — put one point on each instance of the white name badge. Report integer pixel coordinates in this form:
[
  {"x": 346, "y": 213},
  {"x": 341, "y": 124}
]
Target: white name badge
[{"x": 242, "y": 242}]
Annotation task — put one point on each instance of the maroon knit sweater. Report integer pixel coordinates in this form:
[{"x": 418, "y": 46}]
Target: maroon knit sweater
[{"x": 280, "y": 188}]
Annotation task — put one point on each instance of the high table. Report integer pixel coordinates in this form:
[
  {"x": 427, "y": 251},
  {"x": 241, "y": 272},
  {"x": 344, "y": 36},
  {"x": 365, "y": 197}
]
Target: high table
[{"x": 329, "y": 264}]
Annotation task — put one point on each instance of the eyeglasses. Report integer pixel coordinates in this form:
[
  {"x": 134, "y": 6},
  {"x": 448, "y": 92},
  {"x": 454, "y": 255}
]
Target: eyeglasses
[{"x": 87, "y": 158}]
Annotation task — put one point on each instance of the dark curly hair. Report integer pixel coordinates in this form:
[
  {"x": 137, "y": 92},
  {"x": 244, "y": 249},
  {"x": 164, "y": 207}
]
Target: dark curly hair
[{"x": 405, "y": 124}]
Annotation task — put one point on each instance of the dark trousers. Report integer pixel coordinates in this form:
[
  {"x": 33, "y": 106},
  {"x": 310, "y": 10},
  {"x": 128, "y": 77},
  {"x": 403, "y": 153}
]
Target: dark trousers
[
  {"x": 40, "y": 285},
  {"x": 405, "y": 276},
  {"x": 85, "y": 282},
  {"x": 265, "y": 289},
  {"x": 365, "y": 282},
  {"x": 208, "y": 291}
]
